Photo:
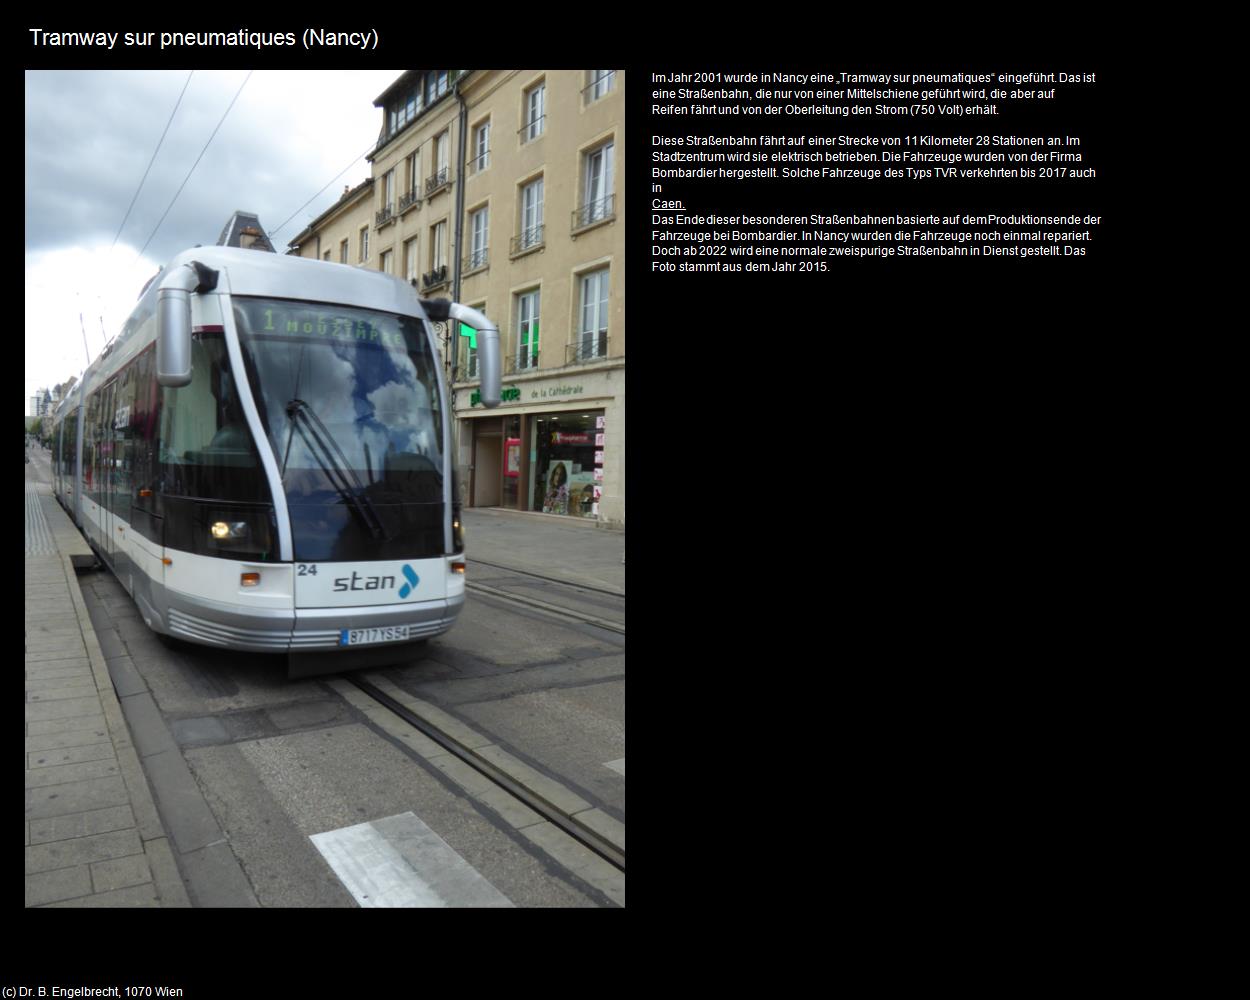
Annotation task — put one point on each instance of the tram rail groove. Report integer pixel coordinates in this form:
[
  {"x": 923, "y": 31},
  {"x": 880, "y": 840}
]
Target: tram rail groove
[
  {"x": 555, "y": 609},
  {"x": 551, "y": 579},
  {"x": 585, "y": 836}
]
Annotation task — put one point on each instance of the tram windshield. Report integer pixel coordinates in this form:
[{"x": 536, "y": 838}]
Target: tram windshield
[{"x": 350, "y": 401}]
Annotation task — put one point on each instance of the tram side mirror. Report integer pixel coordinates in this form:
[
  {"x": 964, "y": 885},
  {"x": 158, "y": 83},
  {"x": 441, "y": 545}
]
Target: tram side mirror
[
  {"x": 485, "y": 339},
  {"x": 173, "y": 337},
  {"x": 489, "y": 366},
  {"x": 173, "y": 320}
]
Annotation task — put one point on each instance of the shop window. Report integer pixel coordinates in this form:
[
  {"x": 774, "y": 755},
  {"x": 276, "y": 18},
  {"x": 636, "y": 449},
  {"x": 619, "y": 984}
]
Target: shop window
[{"x": 566, "y": 475}]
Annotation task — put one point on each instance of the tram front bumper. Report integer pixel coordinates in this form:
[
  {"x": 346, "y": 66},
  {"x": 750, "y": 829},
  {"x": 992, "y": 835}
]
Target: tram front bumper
[{"x": 268, "y": 630}]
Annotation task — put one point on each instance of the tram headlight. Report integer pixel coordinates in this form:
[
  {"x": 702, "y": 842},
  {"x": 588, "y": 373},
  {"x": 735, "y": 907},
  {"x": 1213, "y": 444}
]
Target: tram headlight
[{"x": 222, "y": 530}]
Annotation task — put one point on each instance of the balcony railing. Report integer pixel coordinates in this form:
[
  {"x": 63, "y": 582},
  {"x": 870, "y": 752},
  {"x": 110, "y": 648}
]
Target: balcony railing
[
  {"x": 524, "y": 363},
  {"x": 531, "y": 130},
  {"x": 434, "y": 278},
  {"x": 590, "y": 346},
  {"x": 383, "y": 217},
  {"x": 599, "y": 87},
  {"x": 476, "y": 260},
  {"x": 479, "y": 163},
  {"x": 466, "y": 371},
  {"x": 410, "y": 200},
  {"x": 439, "y": 181},
  {"x": 530, "y": 239},
  {"x": 594, "y": 211}
]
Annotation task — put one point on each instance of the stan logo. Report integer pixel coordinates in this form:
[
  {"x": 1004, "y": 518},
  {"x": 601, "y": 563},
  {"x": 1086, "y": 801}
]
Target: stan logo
[{"x": 358, "y": 582}]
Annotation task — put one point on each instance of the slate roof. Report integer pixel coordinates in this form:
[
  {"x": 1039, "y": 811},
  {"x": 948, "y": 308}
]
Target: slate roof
[{"x": 235, "y": 227}]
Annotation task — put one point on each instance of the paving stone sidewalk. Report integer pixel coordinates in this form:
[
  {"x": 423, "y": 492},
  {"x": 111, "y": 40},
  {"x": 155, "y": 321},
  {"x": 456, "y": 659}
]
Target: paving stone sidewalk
[{"x": 93, "y": 835}]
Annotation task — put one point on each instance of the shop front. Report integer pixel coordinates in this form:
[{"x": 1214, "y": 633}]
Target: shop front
[
  {"x": 549, "y": 448},
  {"x": 566, "y": 476}
]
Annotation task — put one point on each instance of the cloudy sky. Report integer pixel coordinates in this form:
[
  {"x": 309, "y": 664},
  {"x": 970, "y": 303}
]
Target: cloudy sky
[{"x": 91, "y": 134}]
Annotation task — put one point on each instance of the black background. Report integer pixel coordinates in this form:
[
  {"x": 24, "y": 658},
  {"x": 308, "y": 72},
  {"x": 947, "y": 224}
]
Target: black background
[{"x": 870, "y": 657}]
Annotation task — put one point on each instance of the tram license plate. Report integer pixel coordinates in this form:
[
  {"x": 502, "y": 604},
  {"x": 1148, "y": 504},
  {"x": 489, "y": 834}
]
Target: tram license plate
[{"x": 363, "y": 636}]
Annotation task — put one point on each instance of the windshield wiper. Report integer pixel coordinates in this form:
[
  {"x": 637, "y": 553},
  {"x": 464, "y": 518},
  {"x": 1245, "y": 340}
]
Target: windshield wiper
[{"x": 334, "y": 464}]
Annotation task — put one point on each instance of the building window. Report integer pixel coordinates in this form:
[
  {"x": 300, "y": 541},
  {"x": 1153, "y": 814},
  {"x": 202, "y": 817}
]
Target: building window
[
  {"x": 437, "y": 274},
  {"x": 364, "y": 244},
  {"x": 598, "y": 186},
  {"x": 385, "y": 266},
  {"x": 600, "y": 83},
  {"x": 481, "y": 148},
  {"x": 592, "y": 331},
  {"x": 403, "y": 109},
  {"x": 527, "y": 330},
  {"x": 534, "y": 113},
  {"x": 411, "y": 195},
  {"x": 531, "y": 234},
  {"x": 414, "y": 170},
  {"x": 479, "y": 229},
  {"x": 387, "y": 211},
  {"x": 411, "y": 262},
  {"x": 468, "y": 355},
  {"x": 343, "y": 252},
  {"x": 442, "y": 160},
  {"x": 326, "y": 256},
  {"x": 438, "y": 246},
  {"x": 435, "y": 85},
  {"x": 400, "y": 113},
  {"x": 566, "y": 470}
]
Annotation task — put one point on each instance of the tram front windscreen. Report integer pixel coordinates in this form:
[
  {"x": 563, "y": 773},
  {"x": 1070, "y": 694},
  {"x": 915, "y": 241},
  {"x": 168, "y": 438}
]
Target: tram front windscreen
[{"x": 350, "y": 400}]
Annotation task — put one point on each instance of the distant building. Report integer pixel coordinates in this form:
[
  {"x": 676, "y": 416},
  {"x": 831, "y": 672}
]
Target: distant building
[
  {"x": 41, "y": 404},
  {"x": 243, "y": 229},
  {"x": 340, "y": 234}
]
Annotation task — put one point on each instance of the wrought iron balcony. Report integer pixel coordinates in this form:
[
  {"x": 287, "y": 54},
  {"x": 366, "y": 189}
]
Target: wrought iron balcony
[
  {"x": 594, "y": 211},
  {"x": 524, "y": 363},
  {"x": 590, "y": 346},
  {"x": 466, "y": 371},
  {"x": 439, "y": 181},
  {"x": 476, "y": 260},
  {"x": 410, "y": 200},
  {"x": 383, "y": 217},
  {"x": 530, "y": 239},
  {"x": 436, "y": 277}
]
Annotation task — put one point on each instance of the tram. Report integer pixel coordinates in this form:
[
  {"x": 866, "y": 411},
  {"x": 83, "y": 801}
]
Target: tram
[{"x": 263, "y": 456}]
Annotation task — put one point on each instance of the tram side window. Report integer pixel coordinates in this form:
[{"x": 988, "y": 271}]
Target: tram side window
[
  {"x": 90, "y": 443},
  {"x": 69, "y": 447},
  {"x": 123, "y": 441},
  {"x": 206, "y": 449},
  {"x": 143, "y": 418}
]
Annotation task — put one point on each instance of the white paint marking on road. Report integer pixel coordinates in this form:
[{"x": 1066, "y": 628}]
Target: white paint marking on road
[
  {"x": 617, "y": 765},
  {"x": 399, "y": 861}
]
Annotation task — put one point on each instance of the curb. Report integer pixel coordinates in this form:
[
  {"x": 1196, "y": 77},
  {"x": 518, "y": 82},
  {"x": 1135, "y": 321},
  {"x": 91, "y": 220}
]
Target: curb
[{"x": 165, "y": 876}]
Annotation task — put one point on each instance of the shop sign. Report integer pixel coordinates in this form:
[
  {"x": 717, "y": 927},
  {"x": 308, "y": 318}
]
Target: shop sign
[
  {"x": 559, "y": 438},
  {"x": 510, "y": 395},
  {"x": 556, "y": 392},
  {"x": 512, "y": 449}
]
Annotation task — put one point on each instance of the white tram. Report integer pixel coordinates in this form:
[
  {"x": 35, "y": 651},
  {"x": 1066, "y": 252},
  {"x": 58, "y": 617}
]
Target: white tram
[{"x": 263, "y": 455}]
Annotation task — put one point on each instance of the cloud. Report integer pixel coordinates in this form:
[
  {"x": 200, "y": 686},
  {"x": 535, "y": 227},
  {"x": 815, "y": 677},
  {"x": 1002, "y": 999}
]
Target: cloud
[{"x": 91, "y": 134}]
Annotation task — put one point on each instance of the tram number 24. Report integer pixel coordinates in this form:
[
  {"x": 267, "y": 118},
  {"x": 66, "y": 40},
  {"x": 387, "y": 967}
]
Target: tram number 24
[{"x": 307, "y": 569}]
